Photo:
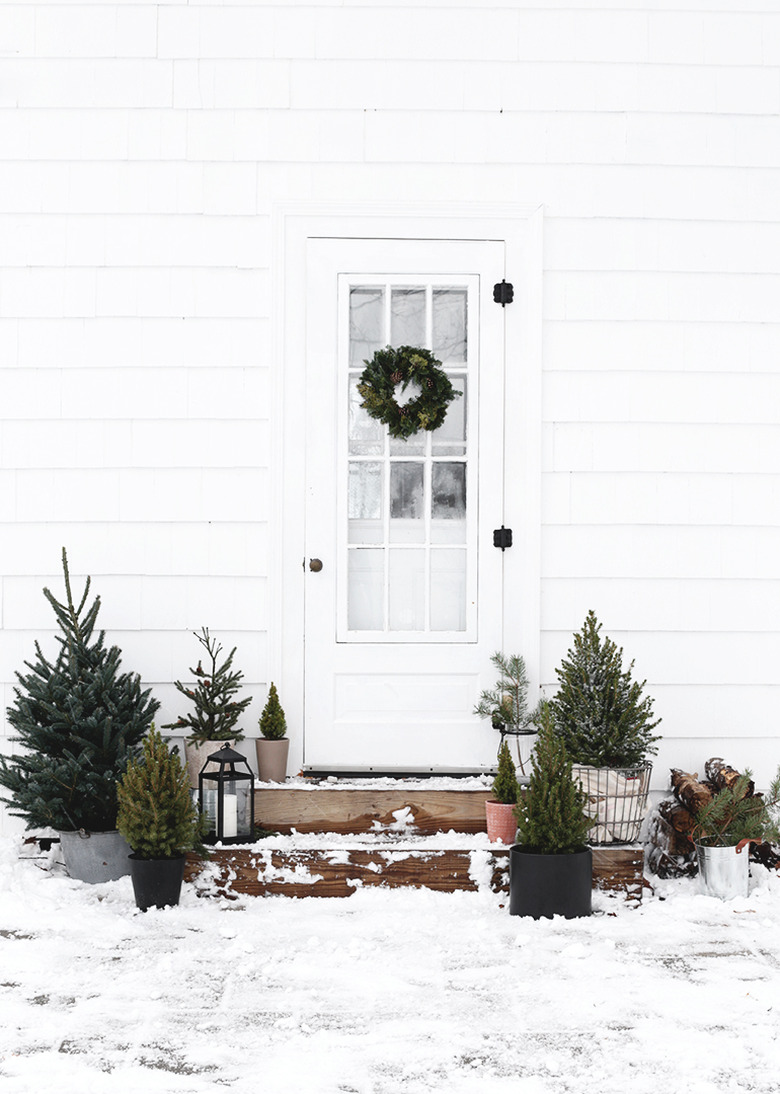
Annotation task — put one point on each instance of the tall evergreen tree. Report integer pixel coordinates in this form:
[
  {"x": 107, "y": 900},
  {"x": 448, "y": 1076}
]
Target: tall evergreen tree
[
  {"x": 79, "y": 720},
  {"x": 599, "y": 711}
]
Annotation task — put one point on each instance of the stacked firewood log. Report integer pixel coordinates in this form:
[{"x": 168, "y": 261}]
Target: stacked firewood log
[{"x": 670, "y": 848}]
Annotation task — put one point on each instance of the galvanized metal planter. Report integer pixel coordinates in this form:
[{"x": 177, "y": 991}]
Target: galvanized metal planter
[
  {"x": 95, "y": 857},
  {"x": 723, "y": 872}
]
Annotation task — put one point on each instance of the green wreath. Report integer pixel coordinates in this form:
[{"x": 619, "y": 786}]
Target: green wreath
[{"x": 406, "y": 365}]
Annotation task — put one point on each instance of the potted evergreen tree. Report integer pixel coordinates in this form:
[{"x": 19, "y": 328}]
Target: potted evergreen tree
[
  {"x": 272, "y": 747},
  {"x": 551, "y": 866},
  {"x": 732, "y": 819},
  {"x": 506, "y": 705},
  {"x": 212, "y": 722},
  {"x": 158, "y": 818},
  {"x": 500, "y": 809},
  {"x": 79, "y": 719},
  {"x": 606, "y": 724}
]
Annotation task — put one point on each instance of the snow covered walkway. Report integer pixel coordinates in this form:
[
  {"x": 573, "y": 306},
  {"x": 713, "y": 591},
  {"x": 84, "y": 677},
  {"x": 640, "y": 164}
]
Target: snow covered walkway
[{"x": 384, "y": 992}]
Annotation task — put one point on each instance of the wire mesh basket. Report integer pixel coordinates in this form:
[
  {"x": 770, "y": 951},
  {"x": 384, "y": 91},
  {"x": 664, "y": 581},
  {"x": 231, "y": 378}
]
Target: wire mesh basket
[{"x": 617, "y": 801}]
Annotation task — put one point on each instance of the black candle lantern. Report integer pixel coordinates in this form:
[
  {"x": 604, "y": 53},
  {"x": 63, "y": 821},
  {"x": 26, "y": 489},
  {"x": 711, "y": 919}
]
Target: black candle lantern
[{"x": 227, "y": 798}]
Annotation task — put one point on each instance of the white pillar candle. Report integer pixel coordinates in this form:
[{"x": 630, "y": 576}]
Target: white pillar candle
[{"x": 230, "y": 815}]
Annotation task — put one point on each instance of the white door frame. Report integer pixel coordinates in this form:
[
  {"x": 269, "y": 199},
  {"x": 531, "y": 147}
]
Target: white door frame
[{"x": 520, "y": 228}]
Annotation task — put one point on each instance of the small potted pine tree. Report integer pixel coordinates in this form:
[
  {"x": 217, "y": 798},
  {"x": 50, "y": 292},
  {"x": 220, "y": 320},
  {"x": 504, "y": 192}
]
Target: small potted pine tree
[
  {"x": 606, "y": 724},
  {"x": 506, "y": 705},
  {"x": 158, "y": 818},
  {"x": 272, "y": 747},
  {"x": 212, "y": 722},
  {"x": 724, "y": 827},
  {"x": 551, "y": 866},
  {"x": 500, "y": 809}
]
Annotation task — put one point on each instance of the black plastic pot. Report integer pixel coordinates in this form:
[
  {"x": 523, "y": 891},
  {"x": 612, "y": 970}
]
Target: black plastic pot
[
  {"x": 156, "y": 881},
  {"x": 546, "y": 885}
]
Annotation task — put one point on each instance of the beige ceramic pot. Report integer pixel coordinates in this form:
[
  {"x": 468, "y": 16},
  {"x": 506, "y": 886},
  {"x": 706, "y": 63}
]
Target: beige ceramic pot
[
  {"x": 272, "y": 759},
  {"x": 501, "y": 821},
  {"x": 197, "y": 756}
]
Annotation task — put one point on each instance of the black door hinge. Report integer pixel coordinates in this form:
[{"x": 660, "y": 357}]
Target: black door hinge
[
  {"x": 503, "y": 293},
  {"x": 502, "y": 537}
]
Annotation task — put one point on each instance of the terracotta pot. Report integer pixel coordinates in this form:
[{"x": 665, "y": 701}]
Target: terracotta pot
[
  {"x": 197, "y": 756},
  {"x": 501, "y": 821},
  {"x": 272, "y": 759}
]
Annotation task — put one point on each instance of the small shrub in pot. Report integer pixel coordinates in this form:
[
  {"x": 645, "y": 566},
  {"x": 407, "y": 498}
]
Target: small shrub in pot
[
  {"x": 159, "y": 820},
  {"x": 273, "y": 746},
  {"x": 499, "y": 811},
  {"x": 551, "y": 867}
]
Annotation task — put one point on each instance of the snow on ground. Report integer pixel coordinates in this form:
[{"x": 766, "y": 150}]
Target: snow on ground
[{"x": 384, "y": 992}]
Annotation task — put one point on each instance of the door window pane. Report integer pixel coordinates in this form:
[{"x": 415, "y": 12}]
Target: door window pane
[
  {"x": 365, "y": 491},
  {"x": 450, "y": 438},
  {"x": 366, "y": 434},
  {"x": 449, "y": 324},
  {"x": 448, "y": 491},
  {"x": 407, "y": 317},
  {"x": 448, "y": 590},
  {"x": 407, "y": 590},
  {"x": 366, "y": 323},
  {"x": 365, "y": 503},
  {"x": 366, "y": 589},
  {"x": 407, "y": 502}
]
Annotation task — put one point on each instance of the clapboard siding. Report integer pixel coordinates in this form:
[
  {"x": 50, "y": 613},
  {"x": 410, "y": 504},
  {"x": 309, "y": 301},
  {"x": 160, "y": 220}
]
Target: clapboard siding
[
  {"x": 145, "y": 148},
  {"x": 635, "y": 346}
]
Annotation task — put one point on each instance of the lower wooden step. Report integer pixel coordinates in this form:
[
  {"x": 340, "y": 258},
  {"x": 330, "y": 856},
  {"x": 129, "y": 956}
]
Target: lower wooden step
[{"x": 302, "y": 870}]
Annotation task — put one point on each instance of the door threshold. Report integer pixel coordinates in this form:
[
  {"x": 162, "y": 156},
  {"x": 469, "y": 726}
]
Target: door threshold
[{"x": 394, "y": 772}]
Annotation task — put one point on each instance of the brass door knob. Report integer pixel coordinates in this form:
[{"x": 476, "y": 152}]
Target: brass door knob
[{"x": 315, "y": 565}]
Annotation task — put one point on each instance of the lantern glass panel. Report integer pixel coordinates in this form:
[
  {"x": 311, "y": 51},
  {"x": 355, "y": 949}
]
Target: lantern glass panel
[{"x": 226, "y": 801}]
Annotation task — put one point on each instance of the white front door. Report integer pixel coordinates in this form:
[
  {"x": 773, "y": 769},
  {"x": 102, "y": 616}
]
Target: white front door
[{"x": 403, "y": 588}]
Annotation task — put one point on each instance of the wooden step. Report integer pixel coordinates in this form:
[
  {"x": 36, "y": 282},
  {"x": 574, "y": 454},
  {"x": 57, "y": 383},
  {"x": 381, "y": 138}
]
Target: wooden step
[
  {"x": 408, "y": 807},
  {"x": 293, "y": 868}
]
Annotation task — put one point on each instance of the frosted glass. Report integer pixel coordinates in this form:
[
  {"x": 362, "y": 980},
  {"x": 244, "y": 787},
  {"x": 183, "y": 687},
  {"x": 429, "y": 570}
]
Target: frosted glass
[
  {"x": 449, "y": 324},
  {"x": 448, "y": 590},
  {"x": 448, "y": 531},
  {"x": 407, "y": 502},
  {"x": 365, "y": 589},
  {"x": 365, "y": 491},
  {"x": 407, "y": 317},
  {"x": 406, "y": 491},
  {"x": 407, "y": 590},
  {"x": 366, "y": 323},
  {"x": 448, "y": 491},
  {"x": 366, "y": 434},
  {"x": 450, "y": 438},
  {"x": 411, "y": 446}
]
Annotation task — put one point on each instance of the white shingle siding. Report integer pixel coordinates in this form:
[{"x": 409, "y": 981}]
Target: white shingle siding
[{"x": 145, "y": 146}]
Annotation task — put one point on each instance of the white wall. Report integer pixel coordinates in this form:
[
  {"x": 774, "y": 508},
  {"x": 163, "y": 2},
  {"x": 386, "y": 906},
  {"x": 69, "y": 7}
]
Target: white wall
[{"x": 144, "y": 146}]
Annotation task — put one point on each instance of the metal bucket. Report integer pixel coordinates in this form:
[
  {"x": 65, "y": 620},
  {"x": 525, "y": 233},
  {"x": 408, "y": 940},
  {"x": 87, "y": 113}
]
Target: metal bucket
[
  {"x": 722, "y": 872},
  {"x": 95, "y": 857}
]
